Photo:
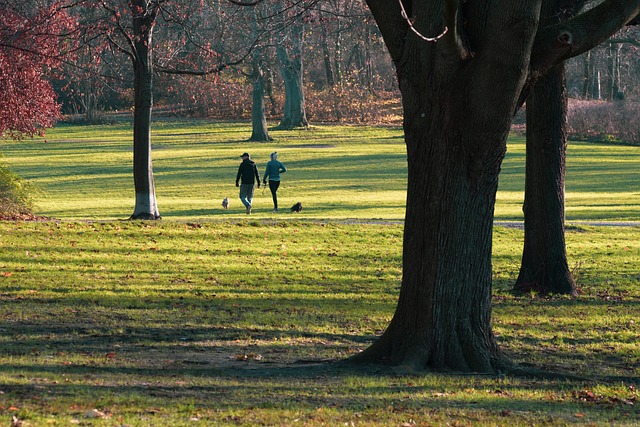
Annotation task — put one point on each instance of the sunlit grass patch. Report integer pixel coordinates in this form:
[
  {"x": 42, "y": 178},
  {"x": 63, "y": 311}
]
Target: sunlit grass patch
[{"x": 335, "y": 171}]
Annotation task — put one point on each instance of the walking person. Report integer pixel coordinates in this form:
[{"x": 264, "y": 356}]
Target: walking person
[
  {"x": 273, "y": 171},
  {"x": 248, "y": 172}
]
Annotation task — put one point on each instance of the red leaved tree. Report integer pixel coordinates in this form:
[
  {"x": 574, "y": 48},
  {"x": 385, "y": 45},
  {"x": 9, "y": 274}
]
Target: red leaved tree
[{"x": 31, "y": 44}]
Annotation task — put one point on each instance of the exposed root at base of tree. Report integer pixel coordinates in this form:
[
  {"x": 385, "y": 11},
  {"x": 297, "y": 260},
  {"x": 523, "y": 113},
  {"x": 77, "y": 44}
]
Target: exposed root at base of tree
[
  {"x": 521, "y": 288},
  {"x": 144, "y": 217}
]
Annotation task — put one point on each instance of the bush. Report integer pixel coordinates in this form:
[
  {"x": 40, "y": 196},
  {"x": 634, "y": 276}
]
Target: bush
[
  {"x": 604, "y": 121},
  {"x": 16, "y": 195}
]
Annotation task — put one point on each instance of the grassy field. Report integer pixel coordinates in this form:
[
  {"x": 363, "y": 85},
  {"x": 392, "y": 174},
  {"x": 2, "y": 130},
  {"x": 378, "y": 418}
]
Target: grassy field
[
  {"x": 216, "y": 318},
  {"x": 335, "y": 171}
]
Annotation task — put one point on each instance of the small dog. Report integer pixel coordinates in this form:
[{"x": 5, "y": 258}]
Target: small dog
[
  {"x": 297, "y": 207},
  {"x": 225, "y": 203}
]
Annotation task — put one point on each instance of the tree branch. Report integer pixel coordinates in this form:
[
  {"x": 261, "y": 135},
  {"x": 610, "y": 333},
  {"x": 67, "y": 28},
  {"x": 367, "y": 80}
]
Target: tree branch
[
  {"x": 557, "y": 43},
  {"x": 245, "y": 3},
  {"x": 625, "y": 41}
]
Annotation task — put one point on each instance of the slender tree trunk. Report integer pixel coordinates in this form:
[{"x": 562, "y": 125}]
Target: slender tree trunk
[
  {"x": 326, "y": 55},
  {"x": 146, "y": 205},
  {"x": 267, "y": 80},
  {"x": 586, "y": 75},
  {"x": 544, "y": 267},
  {"x": 291, "y": 66},
  {"x": 260, "y": 131}
]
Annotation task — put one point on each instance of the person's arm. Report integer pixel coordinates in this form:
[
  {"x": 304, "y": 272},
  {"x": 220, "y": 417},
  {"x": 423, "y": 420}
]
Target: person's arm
[
  {"x": 282, "y": 168},
  {"x": 266, "y": 174},
  {"x": 257, "y": 174},
  {"x": 238, "y": 176}
]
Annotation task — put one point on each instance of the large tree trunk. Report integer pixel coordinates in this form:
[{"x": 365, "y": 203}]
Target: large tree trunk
[
  {"x": 291, "y": 67},
  {"x": 146, "y": 205},
  {"x": 459, "y": 95},
  {"x": 544, "y": 265},
  {"x": 455, "y": 145}
]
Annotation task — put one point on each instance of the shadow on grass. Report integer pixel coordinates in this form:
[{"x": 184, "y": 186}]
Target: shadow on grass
[{"x": 313, "y": 387}]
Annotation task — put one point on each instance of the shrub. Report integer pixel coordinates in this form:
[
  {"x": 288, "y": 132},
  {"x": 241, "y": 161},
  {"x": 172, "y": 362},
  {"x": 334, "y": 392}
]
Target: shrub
[
  {"x": 604, "y": 121},
  {"x": 16, "y": 195}
]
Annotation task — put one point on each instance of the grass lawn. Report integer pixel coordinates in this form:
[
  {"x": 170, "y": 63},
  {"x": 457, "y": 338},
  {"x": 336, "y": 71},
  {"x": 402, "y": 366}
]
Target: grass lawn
[
  {"x": 335, "y": 171},
  {"x": 212, "y": 317}
]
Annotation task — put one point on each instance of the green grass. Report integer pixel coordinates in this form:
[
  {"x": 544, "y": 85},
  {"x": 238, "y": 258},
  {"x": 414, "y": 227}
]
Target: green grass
[
  {"x": 160, "y": 323},
  {"x": 215, "y": 318},
  {"x": 336, "y": 171}
]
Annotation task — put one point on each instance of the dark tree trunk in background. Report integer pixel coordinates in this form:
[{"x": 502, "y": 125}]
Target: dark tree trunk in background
[
  {"x": 143, "y": 19},
  {"x": 289, "y": 54},
  {"x": 544, "y": 267}
]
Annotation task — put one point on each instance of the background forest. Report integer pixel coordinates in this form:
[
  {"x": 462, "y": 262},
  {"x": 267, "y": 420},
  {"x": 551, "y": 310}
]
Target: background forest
[{"x": 346, "y": 71}]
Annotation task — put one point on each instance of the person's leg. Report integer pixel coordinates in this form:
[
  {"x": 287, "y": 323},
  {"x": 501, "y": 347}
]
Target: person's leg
[
  {"x": 244, "y": 195},
  {"x": 250, "y": 188},
  {"x": 273, "y": 186}
]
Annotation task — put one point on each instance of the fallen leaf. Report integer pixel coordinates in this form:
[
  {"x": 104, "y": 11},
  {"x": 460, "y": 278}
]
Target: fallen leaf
[
  {"x": 7, "y": 274},
  {"x": 94, "y": 413},
  {"x": 247, "y": 356},
  {"x": 579, "y": 415}
]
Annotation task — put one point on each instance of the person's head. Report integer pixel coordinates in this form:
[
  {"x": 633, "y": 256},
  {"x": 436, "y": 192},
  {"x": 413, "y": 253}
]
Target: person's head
[
  {"x": 274, "y": 155},
  {"x": 245, "y": 156}
]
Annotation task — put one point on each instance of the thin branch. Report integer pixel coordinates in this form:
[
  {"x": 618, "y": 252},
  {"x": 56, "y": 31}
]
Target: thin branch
[
  {"x": 245, "y": 3},
  {"x": 403, "y": 13},
  {"x": 625, "y": 41}
]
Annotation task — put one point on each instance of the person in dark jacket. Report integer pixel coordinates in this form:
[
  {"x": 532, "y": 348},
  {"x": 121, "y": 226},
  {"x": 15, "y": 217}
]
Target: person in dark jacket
[
  {"x": 273, "y": 171},
  {"x": 248, "y": 174}
]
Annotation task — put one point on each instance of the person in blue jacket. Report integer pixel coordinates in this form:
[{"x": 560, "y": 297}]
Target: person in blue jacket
[{"x": 272, "y": 173}]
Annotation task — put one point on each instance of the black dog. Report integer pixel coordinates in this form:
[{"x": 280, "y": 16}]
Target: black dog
[{"x": 297, "y": 207}]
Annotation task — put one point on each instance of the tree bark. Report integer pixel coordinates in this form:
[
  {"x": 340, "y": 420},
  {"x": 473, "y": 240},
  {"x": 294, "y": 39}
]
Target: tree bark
[
  {"x": 146, "y": 206},
  {"x": 544, "y": 267}
]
